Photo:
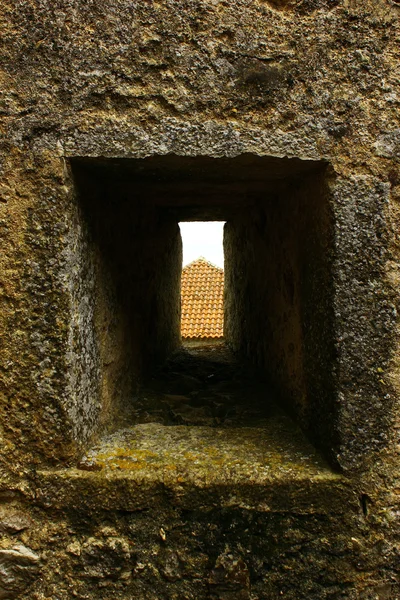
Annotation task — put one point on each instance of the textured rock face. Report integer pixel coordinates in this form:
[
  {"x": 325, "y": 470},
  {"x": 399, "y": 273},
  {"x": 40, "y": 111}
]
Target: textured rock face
[
  {"x": 18, "y": 567},
  {"x": 89, "y": 266},
  {"x": 281, "y": 280}
]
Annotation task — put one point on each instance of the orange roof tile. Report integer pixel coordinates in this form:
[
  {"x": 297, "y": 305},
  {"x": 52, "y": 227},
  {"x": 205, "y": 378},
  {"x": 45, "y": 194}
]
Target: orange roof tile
[{"x": 202, "y": 300}]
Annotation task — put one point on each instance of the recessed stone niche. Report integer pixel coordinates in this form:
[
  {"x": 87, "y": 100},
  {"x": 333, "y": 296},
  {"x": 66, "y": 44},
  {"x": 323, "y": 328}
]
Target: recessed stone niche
[{"x": 278, "y": 277}]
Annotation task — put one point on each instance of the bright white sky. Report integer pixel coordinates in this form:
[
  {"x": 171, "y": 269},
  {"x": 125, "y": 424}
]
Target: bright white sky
[{"x": 203, "y": 238}]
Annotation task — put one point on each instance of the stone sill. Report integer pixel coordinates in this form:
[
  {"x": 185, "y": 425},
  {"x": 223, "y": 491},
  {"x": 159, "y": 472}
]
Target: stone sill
[{"x": 270, "y": 468}]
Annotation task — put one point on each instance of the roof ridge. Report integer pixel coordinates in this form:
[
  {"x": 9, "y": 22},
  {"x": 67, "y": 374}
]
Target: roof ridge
[{"x": 202, "y": 259}]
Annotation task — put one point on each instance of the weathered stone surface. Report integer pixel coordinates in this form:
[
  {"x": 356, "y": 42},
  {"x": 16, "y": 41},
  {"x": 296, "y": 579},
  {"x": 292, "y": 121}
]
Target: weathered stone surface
[
  {"x": 19, "y": 566},
  {"x": 230, "y": 578},
  {"x": 388, "y": 145},
  {"x": 13, "y": 520},
  {"x": 171, "y": 568},
  {"x": 109, "y": 557},
  {"x": 212, "y": 82}
]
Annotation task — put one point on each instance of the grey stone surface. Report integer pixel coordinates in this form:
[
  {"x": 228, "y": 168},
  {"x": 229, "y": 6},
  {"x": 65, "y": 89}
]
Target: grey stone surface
[
  {"x": 106, "y": 558},
  {"x": 19, "y": 566},
  {"x": 388, "y": 144}
]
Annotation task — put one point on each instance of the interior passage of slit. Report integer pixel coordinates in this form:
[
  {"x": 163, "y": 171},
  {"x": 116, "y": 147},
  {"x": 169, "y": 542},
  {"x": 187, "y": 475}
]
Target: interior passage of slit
[{"x": 275, "y": 289}]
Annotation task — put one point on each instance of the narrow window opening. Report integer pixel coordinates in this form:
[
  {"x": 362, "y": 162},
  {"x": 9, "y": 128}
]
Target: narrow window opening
[{"x": 202, "y": 282}]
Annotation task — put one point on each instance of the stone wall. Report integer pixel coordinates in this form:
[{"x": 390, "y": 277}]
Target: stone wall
[
  {"x": 313, "y": 81},
  {"x": 278, "y": 307},
  {"x": 128, "y": 272}
]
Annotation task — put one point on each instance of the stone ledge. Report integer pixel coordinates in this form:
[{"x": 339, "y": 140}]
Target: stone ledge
[{"x": 272, "y": 468}]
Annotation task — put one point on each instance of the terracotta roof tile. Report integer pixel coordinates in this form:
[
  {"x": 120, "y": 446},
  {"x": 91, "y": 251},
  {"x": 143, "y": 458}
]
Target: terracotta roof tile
[{"x": 202, "y": 300}]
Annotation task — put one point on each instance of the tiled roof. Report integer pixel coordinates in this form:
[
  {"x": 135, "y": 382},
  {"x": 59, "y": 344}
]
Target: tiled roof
[{"x": 202, "y": 300}]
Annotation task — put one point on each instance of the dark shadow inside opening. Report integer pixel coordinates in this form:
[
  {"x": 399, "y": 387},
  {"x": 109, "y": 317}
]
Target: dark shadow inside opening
[{"x": 278, "y": 298}]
